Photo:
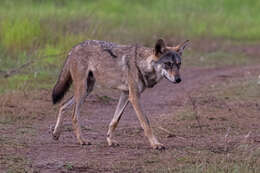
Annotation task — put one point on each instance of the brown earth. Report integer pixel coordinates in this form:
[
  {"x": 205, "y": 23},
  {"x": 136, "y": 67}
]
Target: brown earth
[{"x": 182, "y": 116}]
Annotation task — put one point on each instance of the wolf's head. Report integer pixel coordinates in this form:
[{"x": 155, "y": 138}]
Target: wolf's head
[{"x": 168, "y": 62}]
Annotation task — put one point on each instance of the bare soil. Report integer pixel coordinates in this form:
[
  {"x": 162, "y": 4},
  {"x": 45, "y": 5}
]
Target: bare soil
[{"x": 182, "y": 116}]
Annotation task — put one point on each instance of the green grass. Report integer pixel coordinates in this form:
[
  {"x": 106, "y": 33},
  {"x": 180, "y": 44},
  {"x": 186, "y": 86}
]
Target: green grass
[
  {"x": 35, "y": 22},
  {"x": 19, "y": 34},
  {"x": 15, "y": 163},
  {"x": 233, "y": 19},
  {"x": 216, "y": 59},
  {"x": 247, "y": 90},
  {"x": 42, "y": 29}
]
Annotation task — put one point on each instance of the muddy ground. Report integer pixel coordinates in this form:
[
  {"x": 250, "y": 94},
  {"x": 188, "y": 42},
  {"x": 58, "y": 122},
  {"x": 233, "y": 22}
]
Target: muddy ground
[{"x": 202, "y": 129}]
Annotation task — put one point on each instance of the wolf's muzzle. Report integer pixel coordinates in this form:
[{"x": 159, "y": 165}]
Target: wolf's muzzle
[
  {"x": 172, "y": 78},
  {"x": 178, "y": 80}
]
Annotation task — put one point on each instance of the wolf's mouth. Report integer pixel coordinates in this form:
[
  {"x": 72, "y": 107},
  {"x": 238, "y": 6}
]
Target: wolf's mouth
[{"x": 166, "y": 75}]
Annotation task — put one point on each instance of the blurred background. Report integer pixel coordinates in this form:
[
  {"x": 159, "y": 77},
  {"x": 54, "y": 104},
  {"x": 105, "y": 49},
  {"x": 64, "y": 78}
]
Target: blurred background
[
  {"x": 209, "y": 123},
  {"x": 35, "y": 35}
]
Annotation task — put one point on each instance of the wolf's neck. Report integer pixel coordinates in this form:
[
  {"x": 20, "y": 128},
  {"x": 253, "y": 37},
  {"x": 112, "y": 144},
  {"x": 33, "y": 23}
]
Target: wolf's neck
[{"x": 149, "y": 75}]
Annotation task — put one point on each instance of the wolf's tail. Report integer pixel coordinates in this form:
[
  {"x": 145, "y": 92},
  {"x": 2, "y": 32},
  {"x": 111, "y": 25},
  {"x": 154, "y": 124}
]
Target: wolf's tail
[{"x": 63, "y": 83}]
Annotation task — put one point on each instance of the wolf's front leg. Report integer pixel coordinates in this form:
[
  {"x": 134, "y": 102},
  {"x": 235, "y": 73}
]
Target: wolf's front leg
[
  {"x": 145, "y": 124},
  {"x": 134, "y": 99}
]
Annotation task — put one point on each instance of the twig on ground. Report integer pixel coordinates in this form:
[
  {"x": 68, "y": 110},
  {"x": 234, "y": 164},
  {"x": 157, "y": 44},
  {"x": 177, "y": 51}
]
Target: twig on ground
[
  {"x": 231, "y": 109},
  {"x": 194, "y": 108},
  {"x": 169, "y": 134},
  {"x": 17, "y": 70},
  {"x": 248, "y": 135},
  {"x": 226, "y": 140}
]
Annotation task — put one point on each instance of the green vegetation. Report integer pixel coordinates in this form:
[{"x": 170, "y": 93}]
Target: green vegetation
[{"x": 42, "y": 30}]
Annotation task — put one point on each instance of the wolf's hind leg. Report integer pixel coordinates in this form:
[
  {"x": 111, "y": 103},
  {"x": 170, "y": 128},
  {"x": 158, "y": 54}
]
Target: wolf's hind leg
[
  {"x": 82, "y": 90},
  {"x": 122, "y": 103},
  {"x": 57, "y": 130}
]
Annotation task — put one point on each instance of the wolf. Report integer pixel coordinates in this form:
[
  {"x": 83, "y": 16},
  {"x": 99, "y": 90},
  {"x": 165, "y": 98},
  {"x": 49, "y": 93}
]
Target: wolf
[{"x": 127, "y": 68}]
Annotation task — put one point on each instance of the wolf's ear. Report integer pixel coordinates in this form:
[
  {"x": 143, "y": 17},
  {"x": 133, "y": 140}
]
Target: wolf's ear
[
  {"x": 153, "y": 63},
  {"x": 159, "y": 47},
  {"x": 181, "y": 47}
]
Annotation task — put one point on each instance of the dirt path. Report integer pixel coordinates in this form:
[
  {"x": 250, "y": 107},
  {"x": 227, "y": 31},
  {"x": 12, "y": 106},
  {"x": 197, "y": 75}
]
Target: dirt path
[{"x": 159, "y": 103}]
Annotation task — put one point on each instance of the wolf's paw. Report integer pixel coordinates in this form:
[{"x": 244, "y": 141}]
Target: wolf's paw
[
  {"x": 112, "y": 143},
  {"x": 84, "y": 142},
  {"x": 158, "y": 146},
  {"x": 55, "y": 136}
]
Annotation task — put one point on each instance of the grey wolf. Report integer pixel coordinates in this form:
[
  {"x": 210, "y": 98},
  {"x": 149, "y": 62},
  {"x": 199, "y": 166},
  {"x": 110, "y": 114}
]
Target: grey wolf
[{"x": 128, "y": 68}]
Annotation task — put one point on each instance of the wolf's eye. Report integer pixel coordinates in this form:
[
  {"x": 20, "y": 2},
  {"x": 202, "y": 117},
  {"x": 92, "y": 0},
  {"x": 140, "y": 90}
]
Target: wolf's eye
[{"x": 168, "y": 64}]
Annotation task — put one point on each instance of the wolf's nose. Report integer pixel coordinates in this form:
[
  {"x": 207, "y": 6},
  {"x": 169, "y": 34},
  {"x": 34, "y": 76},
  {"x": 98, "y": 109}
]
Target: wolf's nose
[{"x": 178, "y": 80}]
